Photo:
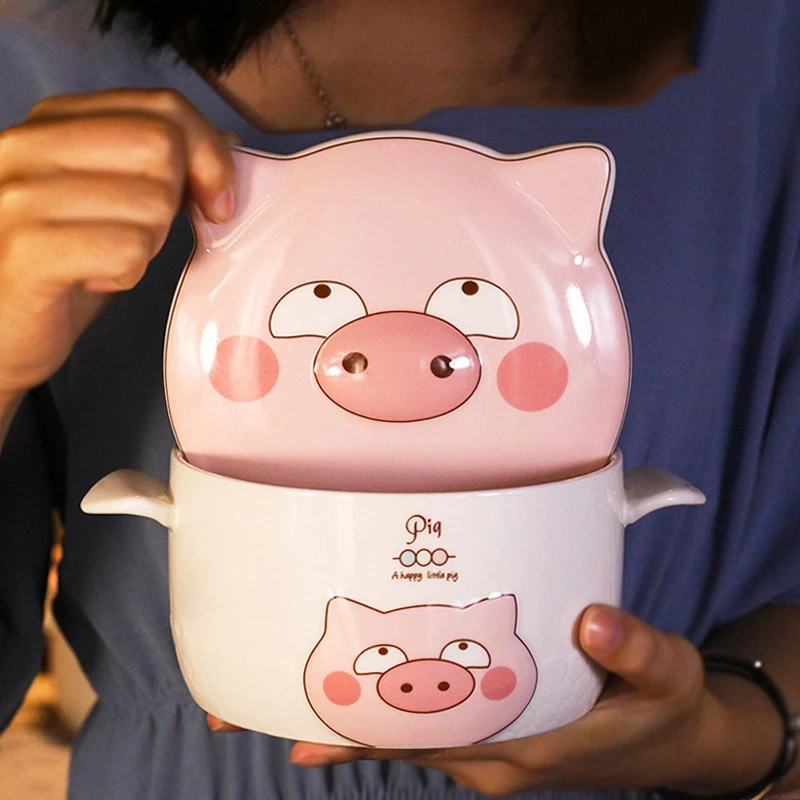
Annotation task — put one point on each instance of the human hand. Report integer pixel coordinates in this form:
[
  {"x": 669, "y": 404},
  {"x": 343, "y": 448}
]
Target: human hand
[
  {"x": 660, "y": 722},
  {"x": 89, "y": 186}
]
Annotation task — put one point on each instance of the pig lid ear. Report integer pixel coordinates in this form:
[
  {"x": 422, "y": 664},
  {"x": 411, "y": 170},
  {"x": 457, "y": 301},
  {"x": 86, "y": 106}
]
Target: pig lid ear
[
  {"x": 573, "y": 185},
  {"x": 495, "y": 613},
  {"x": 257, "y": 179},
  {"x": 344, "y": 613}
]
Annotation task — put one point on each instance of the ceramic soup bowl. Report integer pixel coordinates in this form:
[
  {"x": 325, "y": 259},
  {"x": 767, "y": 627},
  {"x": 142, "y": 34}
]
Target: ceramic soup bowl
[{"x": 408, "y": 620}]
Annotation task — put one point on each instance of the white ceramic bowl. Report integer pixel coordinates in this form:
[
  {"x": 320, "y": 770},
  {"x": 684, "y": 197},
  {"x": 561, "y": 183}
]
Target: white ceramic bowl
[{"x": 393, "y": 620}]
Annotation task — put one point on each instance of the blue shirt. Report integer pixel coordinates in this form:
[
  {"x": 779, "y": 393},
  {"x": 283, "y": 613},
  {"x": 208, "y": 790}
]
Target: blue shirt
[{"x": 703, "y": 234}]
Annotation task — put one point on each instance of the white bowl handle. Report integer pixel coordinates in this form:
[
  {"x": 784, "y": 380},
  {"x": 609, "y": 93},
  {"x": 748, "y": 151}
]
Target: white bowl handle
[
  {"x": 129, "y": 492},
  {"x": 648, "y": 489}
]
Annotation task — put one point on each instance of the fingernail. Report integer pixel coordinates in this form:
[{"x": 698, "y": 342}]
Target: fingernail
[
  {"x": 303, "y": 759},
  {"x": 603, "y": 631},
  {"x": 319, "y": 755},
  {"x": 230, "y": 138},
  {"x": 215, "y": 724},
  {"x": 223, "y": 205}
]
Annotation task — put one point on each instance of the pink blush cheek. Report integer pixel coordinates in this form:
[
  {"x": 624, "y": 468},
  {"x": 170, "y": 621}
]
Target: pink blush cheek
[
  {"x": 532, "y": 377},
  {"x": 498, "y": 683},
  {"x": 245, "y": 369},
  {"x": 341, "y": 688}
]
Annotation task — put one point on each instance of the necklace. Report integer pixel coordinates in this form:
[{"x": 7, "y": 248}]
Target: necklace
[{"x": 333, "y": 119}]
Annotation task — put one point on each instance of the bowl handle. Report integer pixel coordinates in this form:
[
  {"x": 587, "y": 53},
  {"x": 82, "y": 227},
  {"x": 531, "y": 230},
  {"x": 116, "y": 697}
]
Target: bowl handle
[
  {"x": 129, "y": 492},
  {"x": 648, "y": 489}
]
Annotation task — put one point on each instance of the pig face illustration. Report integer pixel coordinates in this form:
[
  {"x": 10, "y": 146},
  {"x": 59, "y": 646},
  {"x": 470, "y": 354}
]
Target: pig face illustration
[
  {"x": 421, "y": 676},
  {"x": 397, "y": 313}
]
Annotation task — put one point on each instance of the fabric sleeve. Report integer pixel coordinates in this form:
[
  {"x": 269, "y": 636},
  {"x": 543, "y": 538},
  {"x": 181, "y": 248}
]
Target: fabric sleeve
[
  {"x": 25, "y": 517},
  {"x": 25, "y": 541},
  {"x": 777, "y": 516},
  {"x": 767, "y": 552}
]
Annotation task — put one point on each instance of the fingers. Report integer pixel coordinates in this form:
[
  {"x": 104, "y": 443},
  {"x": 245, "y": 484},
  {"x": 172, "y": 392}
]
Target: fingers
[
  {"x": 89, "y": 188},
  {"x": 91, "y": 197},
  {"x": 655, "y": 663},
  {"x": 77, "y": 228},
  {"x": 112, "y": 164},
  {"x": 310, "y": 755},
  {"x": 481, "y": 768},
  {"x": 306, "y": 754},
  {"x": 158, "y": 134},
  {"x": 103, "y": 257},
  {"x": 231, "y": 139},
  {"x": 218, "y": 726}
]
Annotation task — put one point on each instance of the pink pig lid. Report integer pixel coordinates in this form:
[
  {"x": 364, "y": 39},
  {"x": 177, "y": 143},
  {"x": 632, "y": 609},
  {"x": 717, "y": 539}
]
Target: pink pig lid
[{"x": 403, "y": 312}]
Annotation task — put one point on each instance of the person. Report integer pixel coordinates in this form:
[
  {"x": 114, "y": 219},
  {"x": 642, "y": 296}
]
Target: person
[{"x": 104, "y": 138}]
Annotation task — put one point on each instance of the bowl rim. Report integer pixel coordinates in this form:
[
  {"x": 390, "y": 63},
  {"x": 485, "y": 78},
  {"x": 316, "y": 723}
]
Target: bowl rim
[{"x": 614, "y": 462}]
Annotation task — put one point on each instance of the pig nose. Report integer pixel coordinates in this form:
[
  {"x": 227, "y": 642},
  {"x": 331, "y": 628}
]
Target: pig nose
[
  {"x": 425, "y": 685},
  {"x": 398, "y": 366}
]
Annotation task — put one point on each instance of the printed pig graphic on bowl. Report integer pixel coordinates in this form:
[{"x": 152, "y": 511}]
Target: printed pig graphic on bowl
[
  {"x": 403, "y": 313},
  {"x": 426, "y": 676}
]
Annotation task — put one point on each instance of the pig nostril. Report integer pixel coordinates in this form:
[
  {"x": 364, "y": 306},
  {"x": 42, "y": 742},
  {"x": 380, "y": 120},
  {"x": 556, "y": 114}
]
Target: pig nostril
[
  {"x": 441, "y": 367},
  {"x": 355, "y": 363},
  {"x": 443, "y": 686},
  {"x": 406, "y": 688}
]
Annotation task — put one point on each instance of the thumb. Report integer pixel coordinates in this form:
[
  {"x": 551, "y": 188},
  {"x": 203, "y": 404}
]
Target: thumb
[{"x": 656, "y": 663}]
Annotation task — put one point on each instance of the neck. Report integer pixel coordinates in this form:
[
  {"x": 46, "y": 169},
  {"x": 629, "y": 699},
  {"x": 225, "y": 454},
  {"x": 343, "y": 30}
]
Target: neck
[{"x": 390, "y": 63}]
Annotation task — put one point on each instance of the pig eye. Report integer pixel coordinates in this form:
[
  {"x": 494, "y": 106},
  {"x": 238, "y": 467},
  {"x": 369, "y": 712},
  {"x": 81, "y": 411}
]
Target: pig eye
[
  {"x": 467, "y": 653},
  {"x": 378, "y": 659},
  {"x": 475, "y": 307},
  {"x": 315, "y": 309}
]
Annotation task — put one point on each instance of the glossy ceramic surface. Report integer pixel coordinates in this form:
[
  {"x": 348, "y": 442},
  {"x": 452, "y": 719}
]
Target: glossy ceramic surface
[
  {"x": 393, "y": 312},
  {"x": 403, "y": 620}
]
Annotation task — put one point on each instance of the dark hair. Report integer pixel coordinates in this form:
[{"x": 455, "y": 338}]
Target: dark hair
[
  {"x": 209, "y": 34},
  {"x": 609, "y": 37}
]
